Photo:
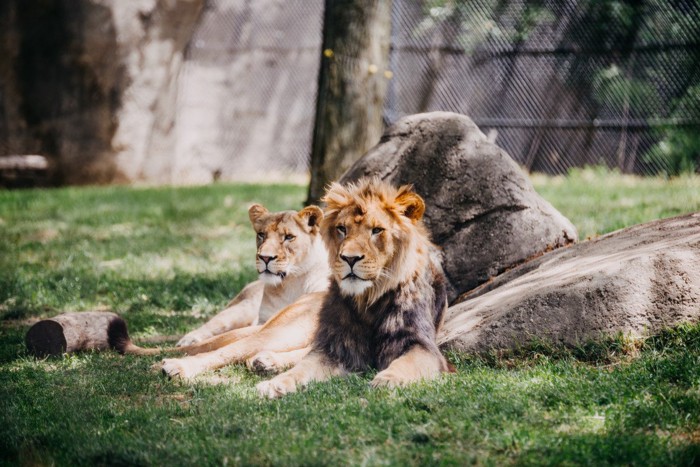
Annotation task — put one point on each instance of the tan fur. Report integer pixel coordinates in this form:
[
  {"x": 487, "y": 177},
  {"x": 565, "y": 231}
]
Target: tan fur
[
  {"x": 303, "y": 262},
  {"x": 314, "y": 367},
  {"x": 299, "y": 266},
  {"x": 269, "y": 361},
  {"x": 290, "y": 330},
  {"x": 206, "y": 345},
  {"x": 415, "y": 365},
  {"x": 240, "y": 312},
  {"x": 391, "y": 256},
  {"x": 376, "y": 244}
]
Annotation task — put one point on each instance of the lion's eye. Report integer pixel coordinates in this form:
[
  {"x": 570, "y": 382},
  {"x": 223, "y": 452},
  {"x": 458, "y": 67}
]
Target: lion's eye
[
  {"x": 261, "y": 235},
  {"x": 341, "y": 230},
  {"x": 289, "y": 237},
  {"x": 377, "y": 230}
]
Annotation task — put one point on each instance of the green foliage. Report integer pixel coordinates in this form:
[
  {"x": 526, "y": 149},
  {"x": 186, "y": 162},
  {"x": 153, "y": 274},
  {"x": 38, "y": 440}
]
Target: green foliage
[
  {"x": 608, "y": 21},
  {"x": 477, "y": 23},
  {"x": 624, "y": 94},
  {"x": 678, "y": 149},
  {"x": 678, "y": 152},
  {"x": 166, "y": 259}
]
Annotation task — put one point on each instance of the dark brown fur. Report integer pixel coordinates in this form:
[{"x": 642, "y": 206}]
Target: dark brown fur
[{"x": 372, "y": 338}]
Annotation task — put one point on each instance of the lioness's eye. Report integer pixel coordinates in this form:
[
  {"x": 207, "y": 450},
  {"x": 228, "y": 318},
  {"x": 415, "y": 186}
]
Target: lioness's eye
[
  {"x": 289, "y": 237},
  {"x": 341, "y": 229},
  {"x": 377, "y": 230},
  {"x": 261, "y": 235}
]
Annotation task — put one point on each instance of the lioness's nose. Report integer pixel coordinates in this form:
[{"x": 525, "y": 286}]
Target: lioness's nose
[
  {"x": 351, "y": 260},
  {"x": 266, "y": 259}
]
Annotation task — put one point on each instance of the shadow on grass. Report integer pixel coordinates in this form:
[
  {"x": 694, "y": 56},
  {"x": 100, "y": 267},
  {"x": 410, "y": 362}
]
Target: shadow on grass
[
  {"x": 151, "y": 307},
  {"x": 542, "y": 406},
  {"x": 107, "y": 409},
  {"x": 53, "y": 292},
  {"x": 637, "y": 448}
]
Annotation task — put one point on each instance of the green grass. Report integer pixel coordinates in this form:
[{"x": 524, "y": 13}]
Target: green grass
[
  {"x": 167, "y": 258},
  {"x": 598, "y": 201}
]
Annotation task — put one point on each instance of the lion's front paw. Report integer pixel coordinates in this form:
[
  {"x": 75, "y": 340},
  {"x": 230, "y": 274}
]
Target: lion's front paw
[
  {"x": 191, "y": 338},
  {"x": 264, "y": 362},
  {"x": 178, "y": 368},
  {"x": 276, "y": 387},
  {"x": 390, "y": 379}
]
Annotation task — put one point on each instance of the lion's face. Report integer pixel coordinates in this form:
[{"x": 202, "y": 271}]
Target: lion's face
[
  {"x": 370, "y": 231},
  {"x": 285, "y": 241}
]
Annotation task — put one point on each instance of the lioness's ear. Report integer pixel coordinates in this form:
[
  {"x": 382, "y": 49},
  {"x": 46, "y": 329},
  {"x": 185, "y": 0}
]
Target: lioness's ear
[
  {"x": 311, "y": 216},
  {"x": 410, "y": 204},
  {"x": 256, "y": 211}
]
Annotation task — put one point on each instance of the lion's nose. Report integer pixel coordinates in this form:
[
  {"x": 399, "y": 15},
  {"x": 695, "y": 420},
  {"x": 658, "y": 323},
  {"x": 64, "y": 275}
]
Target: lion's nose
[
  {"x": 351, "y": 260},
  {"x": 266, "y": 259}
]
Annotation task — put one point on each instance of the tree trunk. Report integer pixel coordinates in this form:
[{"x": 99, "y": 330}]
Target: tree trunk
[
  {"x": 351, "y": 87},
  {"x": 71, "y": 332}
]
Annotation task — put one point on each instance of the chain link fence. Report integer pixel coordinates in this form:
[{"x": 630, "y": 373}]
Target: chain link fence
[{"x": 557, "y": 84}]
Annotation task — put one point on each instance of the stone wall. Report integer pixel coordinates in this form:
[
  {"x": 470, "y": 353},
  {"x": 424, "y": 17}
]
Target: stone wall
[
  {"x": 160, "y": 91},
  {"x": 91, "y": 84}
]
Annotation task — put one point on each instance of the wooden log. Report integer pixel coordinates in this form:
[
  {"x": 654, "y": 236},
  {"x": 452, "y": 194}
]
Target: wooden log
[
  {"x": 24, "y": 162},
  {"x": 99, "y": 330},
  {"x": 72, "y": 332},
  {"x": 24, "y": 171}
]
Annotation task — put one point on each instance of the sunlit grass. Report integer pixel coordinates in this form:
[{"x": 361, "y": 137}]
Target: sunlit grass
[
  {"x": 599, "y": 201},
  {"x": 168, "y": 258}
]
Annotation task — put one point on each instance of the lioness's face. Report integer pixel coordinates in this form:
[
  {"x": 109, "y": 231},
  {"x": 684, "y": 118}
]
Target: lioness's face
[
  {"x": 365, "y": 234},
  {"x": 284, "y": 240}
]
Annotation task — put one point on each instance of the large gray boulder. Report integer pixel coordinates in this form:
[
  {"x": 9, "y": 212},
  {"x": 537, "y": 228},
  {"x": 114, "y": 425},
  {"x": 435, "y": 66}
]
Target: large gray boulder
[
  {"x": 636, "y": 281},
  {"x": 480, "y": 206}
]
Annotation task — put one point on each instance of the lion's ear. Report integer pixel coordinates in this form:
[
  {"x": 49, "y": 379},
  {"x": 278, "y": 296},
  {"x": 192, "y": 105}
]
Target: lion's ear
[
  {"x": 311, "y": 216},
  {"x": 410, "y": 204},
  {"x": 256, "y": 211}
]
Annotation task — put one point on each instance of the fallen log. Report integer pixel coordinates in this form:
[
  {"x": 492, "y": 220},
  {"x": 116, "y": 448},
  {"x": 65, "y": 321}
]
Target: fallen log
[
  {"x": 24, "y": 171},
  {"x": 73, "y": 332},
  {"x": 102, "y": 330}
]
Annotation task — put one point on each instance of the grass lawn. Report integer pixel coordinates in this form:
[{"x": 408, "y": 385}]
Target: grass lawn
[{"x": 166, "y": 259}]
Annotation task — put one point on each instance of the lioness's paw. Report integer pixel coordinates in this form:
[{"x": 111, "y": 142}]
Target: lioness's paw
[
  {"x": 264, "y": 362},
  {"x": 276, "y": 387},
  {"x": 390, "y": 379},
  {"x": 177, "y": 368},
  {"x": 192, "y": 338}
]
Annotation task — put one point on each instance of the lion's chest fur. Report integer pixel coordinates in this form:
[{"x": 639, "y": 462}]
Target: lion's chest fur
[{"x": 360, "y": 339}]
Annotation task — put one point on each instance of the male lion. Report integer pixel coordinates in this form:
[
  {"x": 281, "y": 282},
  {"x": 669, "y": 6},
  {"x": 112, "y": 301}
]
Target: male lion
[
  {"x": 387, "y": 296},
  {"x": 293, "y": 270}
]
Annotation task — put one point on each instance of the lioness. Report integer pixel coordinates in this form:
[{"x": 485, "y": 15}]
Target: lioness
[
  {"x": 387, "y": 296},
  {"x": 292, "y": 262}
]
